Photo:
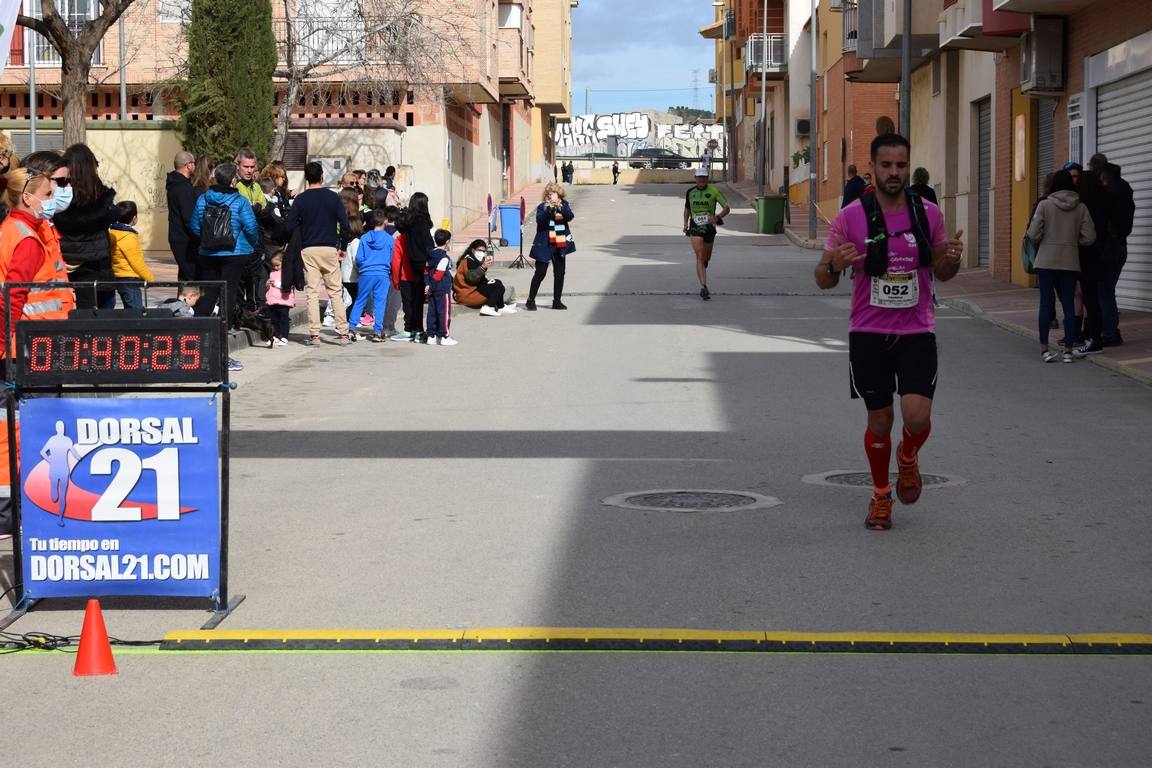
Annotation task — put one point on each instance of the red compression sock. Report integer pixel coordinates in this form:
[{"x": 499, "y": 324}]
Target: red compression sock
[
  {"x": 910, "y": 442},
  {"x": 879, "y": 451}
]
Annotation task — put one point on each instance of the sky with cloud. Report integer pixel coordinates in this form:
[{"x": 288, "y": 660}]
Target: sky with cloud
[{"x": 646, "y": 48}]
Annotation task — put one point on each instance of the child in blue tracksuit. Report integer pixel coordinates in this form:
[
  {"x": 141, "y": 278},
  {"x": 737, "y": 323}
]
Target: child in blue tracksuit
[
  {"x": 374, "y": 263},
  {"x": 438, "y": 287}
]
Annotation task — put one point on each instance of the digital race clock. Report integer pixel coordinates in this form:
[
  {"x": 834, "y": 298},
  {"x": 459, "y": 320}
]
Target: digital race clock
[{"x": 122, "y": 350}]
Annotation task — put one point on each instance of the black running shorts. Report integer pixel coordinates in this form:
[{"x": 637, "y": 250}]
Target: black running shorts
[
  {"x": 708, "y": 232},
  {"x": 881, "y": 364}
]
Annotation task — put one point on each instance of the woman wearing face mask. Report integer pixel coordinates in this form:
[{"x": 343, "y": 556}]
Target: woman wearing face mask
[
  {"x": 472, "y": 287},
  {"x": 83, "y": 228},
  {"x": 25, "y": 250},
  {"x": 52, "y": 165}
]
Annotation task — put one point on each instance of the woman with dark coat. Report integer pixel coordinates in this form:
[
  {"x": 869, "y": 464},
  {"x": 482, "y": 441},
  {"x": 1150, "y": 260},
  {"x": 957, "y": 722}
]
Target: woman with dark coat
[
  {"x": 83, "y": 228},
  {"x": 552, "y": 244},
  {"x": 416, "y": 225}
]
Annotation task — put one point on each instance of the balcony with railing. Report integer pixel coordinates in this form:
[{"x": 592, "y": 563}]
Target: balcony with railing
[
  {"x": 851, "y": 24},
  {"x": 514, "y": 63},
  {"x": 767, "y": 54},
  {"x": 1046, "y": 7},
  {"x": 964, "y": 25},
  {"x": 336, "y": 42}
]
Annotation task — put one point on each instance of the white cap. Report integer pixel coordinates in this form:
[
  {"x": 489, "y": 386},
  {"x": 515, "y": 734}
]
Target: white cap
[{"x": 702, "y": 172}]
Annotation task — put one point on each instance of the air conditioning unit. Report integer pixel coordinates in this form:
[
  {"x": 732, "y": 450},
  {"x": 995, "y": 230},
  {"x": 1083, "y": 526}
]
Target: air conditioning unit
[
  {"x": 1042, "y": 58},
  {"x": 803, "y": 127},
  {"x": 836, "y": 5}
]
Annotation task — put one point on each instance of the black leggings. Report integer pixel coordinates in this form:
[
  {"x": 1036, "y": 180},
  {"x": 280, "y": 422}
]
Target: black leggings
[
  {"x": 558, "y": 260},
  {"x": 281, "y": 323},
  {"x": 412, "y": 297},
  {"x": 230, "y": 269}
]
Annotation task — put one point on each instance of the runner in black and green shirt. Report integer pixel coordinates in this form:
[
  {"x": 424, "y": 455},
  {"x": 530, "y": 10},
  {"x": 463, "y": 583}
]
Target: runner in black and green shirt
[{"x": 700, "y": 222}]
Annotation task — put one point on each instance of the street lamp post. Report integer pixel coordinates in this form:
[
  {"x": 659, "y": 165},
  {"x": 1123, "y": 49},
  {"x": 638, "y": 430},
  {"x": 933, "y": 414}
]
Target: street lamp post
[
  {"x": 725, "y": 86},
  {"x": 812, "y": 153},
  {"x": 764, "y": 103}
]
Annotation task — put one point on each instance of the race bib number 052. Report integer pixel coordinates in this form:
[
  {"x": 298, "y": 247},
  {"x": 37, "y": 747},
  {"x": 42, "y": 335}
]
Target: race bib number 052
[
  {"x": 120, "y": 497},
  {"x": 896, "y": 291}
]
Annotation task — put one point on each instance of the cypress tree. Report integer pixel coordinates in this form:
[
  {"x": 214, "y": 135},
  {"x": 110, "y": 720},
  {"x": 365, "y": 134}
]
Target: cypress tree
[{"x": 230, "y": 97}]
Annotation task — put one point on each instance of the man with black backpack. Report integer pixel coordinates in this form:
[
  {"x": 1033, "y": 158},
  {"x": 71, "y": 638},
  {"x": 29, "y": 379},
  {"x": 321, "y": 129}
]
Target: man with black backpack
[
  {"x": 229, "y": 235},
  {"x": 896, "y": 244}
]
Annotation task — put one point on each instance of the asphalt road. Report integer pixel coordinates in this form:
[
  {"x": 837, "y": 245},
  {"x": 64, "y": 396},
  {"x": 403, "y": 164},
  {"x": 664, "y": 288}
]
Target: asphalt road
[{"x": 402, "y": 486}]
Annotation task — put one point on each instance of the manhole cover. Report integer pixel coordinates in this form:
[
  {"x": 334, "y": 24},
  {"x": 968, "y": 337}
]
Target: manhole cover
[
  {"x": 688, "y": 500},
  {"x": 864, "y": 479}
]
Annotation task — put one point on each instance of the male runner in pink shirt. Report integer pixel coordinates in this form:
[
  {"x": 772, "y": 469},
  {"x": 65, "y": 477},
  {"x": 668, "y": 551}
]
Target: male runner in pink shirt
[{"x": 895, "y": 244}]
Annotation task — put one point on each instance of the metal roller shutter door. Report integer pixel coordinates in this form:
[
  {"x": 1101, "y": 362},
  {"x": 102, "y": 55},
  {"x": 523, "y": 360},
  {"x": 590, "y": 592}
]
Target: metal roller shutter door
[
  {"x": 984, "y": 177},
  {"x": 1045, "y": 144},
  {"x": 1123, "y": 114}
]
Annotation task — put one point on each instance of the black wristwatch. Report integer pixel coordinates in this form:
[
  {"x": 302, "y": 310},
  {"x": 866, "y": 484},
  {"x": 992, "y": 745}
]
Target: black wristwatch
[{"x": 831, "y": 270}]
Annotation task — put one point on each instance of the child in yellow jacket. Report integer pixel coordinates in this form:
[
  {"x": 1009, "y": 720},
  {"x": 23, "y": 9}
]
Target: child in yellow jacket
[{"x": 127, "y": 256}]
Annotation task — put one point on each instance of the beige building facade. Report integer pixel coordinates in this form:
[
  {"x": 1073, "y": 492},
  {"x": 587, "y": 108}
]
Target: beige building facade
[{"x": 478, "y": 129}]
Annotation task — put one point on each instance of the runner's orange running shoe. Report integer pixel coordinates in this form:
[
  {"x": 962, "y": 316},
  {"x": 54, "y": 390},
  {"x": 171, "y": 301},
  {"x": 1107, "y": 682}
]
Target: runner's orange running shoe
[
  {"x": 879, "y": 513},
  {"x": 908, "y": 483}
]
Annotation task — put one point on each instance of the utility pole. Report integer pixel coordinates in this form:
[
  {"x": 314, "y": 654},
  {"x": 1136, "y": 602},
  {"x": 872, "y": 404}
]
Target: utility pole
[
  {"x": 812, "y": 153},
  {"x": 763, "y": 160},
  {"x": 906, "y": 73}
]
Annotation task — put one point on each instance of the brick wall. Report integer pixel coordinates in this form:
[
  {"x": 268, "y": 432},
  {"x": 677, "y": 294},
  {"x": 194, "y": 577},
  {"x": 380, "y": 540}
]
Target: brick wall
[
  {"x": 1095, "y": 29},
  {"x": 867, "y": 103},
  {"x": 849, "y": 122},
  {"x": 1007, "y": 77}
]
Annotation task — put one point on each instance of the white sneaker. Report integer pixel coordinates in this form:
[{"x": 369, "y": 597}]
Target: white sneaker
[
  {"x": 432, "y": 341},
  {"x": 281, "y": 342},
  {"x": 488, "y": 311},
  {"x": 328, "y": 322},
  {"x": 448, "y": 341},
  {"x": 507, "y": 309}
]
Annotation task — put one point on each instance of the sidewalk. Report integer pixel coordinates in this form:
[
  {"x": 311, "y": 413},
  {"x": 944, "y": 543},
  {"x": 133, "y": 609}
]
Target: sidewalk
[
  {"x": 478, "y": 229},
  {"x": 1009, "y": 306},
  {"x": 1014, "y": 308},
  {"x": 795, "y": 225}
]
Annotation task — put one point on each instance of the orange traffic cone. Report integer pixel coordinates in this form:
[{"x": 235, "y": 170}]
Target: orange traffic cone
[{"x": 95, "y": 654}]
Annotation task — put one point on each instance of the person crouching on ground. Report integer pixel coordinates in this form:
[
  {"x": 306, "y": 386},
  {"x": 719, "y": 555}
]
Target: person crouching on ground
[
  {"x": 127, "y": 257},
  {"x": 438, "y": 287},
  {"x": 374, "y": 265},
  {"x": 553, "y": 243},
  {"x": 471, "y": 286}
]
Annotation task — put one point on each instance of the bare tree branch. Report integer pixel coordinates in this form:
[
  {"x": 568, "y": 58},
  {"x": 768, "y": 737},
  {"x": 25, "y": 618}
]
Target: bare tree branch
[{"x": 381, "y": 45}]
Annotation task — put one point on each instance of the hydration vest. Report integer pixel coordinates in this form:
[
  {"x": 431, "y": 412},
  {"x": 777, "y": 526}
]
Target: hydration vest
[{"x": 876, "y": 259}]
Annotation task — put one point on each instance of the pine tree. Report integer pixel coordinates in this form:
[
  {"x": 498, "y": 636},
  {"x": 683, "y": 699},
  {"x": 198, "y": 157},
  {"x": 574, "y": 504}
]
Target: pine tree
[{"x": 230, "y": 97}]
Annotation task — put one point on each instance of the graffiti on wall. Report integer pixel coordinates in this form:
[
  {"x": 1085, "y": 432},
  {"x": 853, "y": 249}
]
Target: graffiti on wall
[{"x": 622, "y": 133}]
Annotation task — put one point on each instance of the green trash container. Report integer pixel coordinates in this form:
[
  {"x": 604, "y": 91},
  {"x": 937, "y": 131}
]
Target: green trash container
[{"x": 770, "y": 214}]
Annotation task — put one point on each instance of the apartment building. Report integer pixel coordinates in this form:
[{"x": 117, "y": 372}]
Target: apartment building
[
  {"x": 552, "y": 80},
  {"x": 466, "y": 134},
  {"x": 850, "y": 110},
  {"x": 751, "y": 73},
  {"x": 1003, "y": 92}
]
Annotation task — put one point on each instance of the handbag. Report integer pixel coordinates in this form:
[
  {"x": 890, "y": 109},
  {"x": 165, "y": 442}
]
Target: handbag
[{"x": 1028, "y": 248}]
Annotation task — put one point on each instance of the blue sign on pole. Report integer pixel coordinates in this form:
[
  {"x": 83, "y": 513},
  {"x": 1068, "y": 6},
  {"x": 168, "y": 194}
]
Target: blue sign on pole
[{"x": 120, "y": 497}]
